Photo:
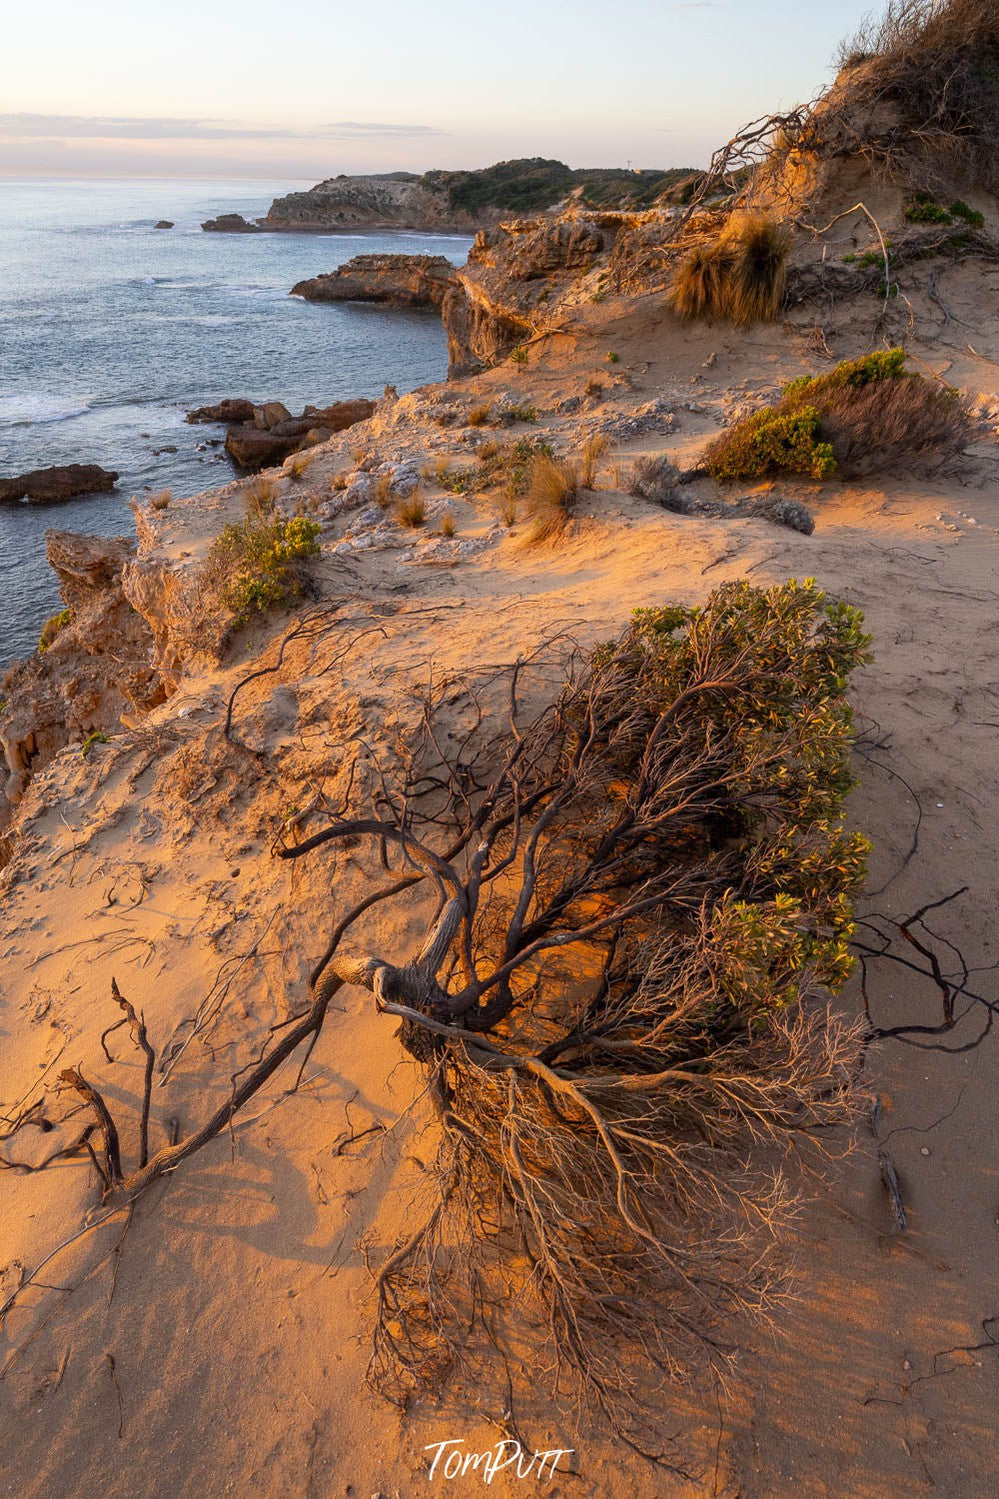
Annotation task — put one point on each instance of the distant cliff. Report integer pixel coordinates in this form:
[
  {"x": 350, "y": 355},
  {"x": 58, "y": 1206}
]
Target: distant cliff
[{"x": 464, "y": 202}]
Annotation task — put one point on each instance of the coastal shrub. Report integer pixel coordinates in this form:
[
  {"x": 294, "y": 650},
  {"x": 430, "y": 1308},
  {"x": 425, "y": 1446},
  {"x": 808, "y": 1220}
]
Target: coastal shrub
[
  {"x": 412, "y": 511},
  {"x": 923, "y": 210},
  {"x": 655, "y": 477},
  {"x": 251, "y": 566},
  {"x": 552, "y": 491},
  {"x": 866, "y": 414},
  {"x": 51, "y": 629},
  {"x": 519, "y": 355},
  {"x": 613, "y": 358},
  {"x": 593, "y": 449},
  {"x": 971, "y": 216},
  {"x": 740, "y": 278}
]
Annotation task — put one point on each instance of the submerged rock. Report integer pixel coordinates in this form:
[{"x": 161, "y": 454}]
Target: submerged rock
[
  {"x": 45, "y": 486},
  {"x": 164, "y": 224}
]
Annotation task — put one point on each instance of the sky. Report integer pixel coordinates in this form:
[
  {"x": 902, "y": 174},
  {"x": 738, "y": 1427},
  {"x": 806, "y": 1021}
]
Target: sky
[{"x": 312, "y": 88}]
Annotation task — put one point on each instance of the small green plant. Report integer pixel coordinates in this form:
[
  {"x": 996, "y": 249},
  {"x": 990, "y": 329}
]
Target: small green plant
[
  {"x": 161, "y": 500},
  {"x": 520, "y": 411},
  {"x": 412, "y": 511},
  {"x": 519, "y": 355},
  {"x": 251, "y": 565},
  {"x": 850, "y": 259},
  {"x": 51, "y": 629},
  {"x": 971, "y": 216},
  {"x": 90, "y": 741},
  {"x": 612, "y": 358},
  {"x": 923, "y": 210},
  {"x": 454, "y": 480}
]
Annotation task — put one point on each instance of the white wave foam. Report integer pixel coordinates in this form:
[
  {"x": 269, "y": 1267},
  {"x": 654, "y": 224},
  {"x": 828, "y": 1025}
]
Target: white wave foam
[{"x": 29, "y": 410}]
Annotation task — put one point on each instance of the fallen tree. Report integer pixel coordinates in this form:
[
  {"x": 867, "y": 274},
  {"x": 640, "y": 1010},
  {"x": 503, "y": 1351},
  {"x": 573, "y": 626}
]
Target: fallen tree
[{"x": 621, "y": 1001}]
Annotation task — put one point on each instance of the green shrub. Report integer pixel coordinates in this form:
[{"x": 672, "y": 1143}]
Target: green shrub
[
  {"x": 51, "y": 629},
  {"x": 251, "y": 565},
  {"x": 960, "y": 210},
  {"x": 865, "y": 414},
  {"x": 923, "y": 210}
]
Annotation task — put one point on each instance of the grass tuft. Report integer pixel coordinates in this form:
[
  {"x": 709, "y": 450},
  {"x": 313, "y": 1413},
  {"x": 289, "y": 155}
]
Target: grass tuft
[
  {"x": 741, "y": 278},
  {"x": 552, "y": 491},
  {"x": 412, "y": 511}
]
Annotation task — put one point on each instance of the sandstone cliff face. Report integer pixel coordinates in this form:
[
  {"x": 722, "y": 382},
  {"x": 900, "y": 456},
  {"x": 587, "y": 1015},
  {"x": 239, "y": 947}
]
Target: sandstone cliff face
[
  {"x": 513, "y": 280},
  {"x": 95, "y": 667},
  {"x": 401, "y": 280}
]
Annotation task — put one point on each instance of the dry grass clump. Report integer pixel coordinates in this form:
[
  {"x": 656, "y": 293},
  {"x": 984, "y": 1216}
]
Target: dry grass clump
[
  {"x": 508, "y": 505},
  {"x": 655, "y": 477},
  {"x": 593, "y": 449},
  {"x": 259, "y": 496},
  {"x": 411, "y": 511},
  {"x": 741, "y": 278},
  {"x": 299, "y": 463},
  {"x": 448, "y": 524},
  {"x": 160, "y": 500},
  {"x": 479, "y": 415},
  {"x": 552, "y": 491},
  {"x": 866, "y": 414},
  {"x": 339, "y": 482},
  {"x": 594, "y": 388},
  {"x": 381, "y": 490}
]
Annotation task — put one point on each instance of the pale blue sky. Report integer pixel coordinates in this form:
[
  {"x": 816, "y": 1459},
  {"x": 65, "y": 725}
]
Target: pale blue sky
[{"x": 309, "y": 88}]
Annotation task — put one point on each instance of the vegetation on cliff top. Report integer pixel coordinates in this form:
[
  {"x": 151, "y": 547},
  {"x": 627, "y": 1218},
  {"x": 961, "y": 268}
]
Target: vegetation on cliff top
[{"x": 534, "y": 183}]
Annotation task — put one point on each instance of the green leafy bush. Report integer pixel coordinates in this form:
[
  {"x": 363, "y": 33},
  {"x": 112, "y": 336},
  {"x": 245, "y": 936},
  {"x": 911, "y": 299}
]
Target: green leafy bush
[
  {"x": 51, "y": 629},
  {"x": 865, "y": 414},
  {"x": 252, "y": 563}
]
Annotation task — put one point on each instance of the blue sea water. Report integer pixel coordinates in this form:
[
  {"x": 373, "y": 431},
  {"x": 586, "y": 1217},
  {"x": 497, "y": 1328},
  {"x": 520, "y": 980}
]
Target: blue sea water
[{"x": 111, "y": 329}]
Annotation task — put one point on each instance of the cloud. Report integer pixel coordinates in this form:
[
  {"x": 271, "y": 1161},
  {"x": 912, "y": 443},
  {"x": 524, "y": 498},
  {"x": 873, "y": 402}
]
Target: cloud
[{"x": 114, "y": 127}]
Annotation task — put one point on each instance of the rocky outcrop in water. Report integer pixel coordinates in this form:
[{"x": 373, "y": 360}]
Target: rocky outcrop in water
[
  {"x": 274, "y": 434},
  {"x": 233, "y": 409},
  {"x": 96, "y": 664},
  {"x": 230, "y": 223},
  {"x": 400, "y": 280},
  {"x": 46, "y": 486}
]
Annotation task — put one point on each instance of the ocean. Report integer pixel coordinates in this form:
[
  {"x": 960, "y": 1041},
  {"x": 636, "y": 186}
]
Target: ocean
[{"x": 111, "y": 329}]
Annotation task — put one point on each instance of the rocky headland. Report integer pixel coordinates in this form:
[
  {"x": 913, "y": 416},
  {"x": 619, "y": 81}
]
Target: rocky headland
[{"x": 459, "y": 202}]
